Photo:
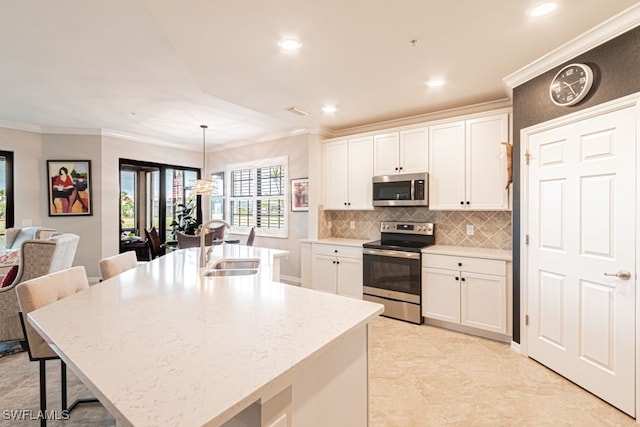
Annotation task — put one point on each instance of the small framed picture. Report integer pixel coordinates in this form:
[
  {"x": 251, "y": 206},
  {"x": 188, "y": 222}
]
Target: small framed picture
[
  {"x": 69, "y": 183},
  {"x": 300, "y": 194}
]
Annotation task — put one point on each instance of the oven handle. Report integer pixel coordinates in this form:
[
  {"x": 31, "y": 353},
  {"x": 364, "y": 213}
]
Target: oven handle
[{"x": 394, "y": 254}]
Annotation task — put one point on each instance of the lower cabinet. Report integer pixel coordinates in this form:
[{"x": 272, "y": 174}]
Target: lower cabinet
[
  {"x": 337, "y": 270},
  {"x": 468, "y": 291}
]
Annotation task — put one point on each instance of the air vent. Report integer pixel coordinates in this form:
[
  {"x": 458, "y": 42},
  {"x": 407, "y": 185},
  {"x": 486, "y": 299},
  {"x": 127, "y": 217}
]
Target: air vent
[{"x": 298, "y": 111}]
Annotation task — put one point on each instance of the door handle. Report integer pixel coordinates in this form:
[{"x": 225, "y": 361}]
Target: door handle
[{"x": 622, "y": 274}]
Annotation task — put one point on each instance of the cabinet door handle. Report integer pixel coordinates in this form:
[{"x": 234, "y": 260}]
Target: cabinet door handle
[
  {"x": 457, "y": 278},
  {"x": 396, "y": 168},
  {"x": 459, "y": 264},
  {"x": 468, "y": 202},
  {"x": 335, "y": 251},
  {"x": 462, "y": 279},
  {"x": 349, "y": 203},
  {"x": 345, "y": 203},
  {"x": 461, "y": 202},
  {"x": 337, "y": 262}
]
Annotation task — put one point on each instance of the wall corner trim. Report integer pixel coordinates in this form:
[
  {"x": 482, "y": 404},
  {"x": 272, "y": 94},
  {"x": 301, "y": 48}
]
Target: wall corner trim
[{"x": 607, "y": 30}]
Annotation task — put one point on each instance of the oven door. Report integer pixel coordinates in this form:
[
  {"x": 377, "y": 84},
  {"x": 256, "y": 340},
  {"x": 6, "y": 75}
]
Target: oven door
[{"x": 392, "y": 274}]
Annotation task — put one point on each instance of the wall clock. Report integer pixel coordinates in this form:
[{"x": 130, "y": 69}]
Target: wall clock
[{"x": 571, "y": 84}]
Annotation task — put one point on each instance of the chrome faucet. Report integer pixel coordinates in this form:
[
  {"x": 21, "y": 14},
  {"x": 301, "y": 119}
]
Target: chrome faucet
[{"x": 203, "y": 227}]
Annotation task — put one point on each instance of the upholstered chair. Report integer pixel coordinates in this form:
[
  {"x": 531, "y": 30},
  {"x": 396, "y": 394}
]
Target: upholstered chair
[
  {"x": 34, "y": 294},
  {"x": 117, "y": 264},
  {"x": 15, "y": 236},
  {"x": 37, "y": 258}
]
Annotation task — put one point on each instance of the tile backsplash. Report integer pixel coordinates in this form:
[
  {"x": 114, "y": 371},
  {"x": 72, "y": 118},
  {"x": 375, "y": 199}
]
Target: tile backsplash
[{"x": 492, "y": 229}]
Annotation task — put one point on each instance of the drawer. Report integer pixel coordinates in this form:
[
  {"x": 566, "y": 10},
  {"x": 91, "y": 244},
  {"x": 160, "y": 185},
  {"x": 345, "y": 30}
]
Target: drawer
[
  {"x": 474, "y": 265},
  {"x": 338, "y": 251}
]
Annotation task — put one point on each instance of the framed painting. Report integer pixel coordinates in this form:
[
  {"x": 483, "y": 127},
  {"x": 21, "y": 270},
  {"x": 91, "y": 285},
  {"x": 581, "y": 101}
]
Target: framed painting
[
  {"x": 69, "y": 183},
  {"x": 300, "y": 194}
]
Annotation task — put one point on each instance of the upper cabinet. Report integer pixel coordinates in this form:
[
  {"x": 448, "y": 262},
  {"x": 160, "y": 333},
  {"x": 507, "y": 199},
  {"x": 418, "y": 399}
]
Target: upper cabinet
[
  {"x": 348, "y": 168},
  {"x": 468, "y": 164},
  {"x": 405, "y": 151}
]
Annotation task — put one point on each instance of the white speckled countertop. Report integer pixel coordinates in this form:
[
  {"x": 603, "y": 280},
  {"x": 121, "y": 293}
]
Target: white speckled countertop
[
  {"x": 161, "y": 345},
  {"x": 337, "y": 241},
  {"x": 499, "y": 254}
]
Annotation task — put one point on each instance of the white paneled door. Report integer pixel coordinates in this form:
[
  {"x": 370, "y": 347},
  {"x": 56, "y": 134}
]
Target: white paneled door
[{"x": 582, "y": 246}]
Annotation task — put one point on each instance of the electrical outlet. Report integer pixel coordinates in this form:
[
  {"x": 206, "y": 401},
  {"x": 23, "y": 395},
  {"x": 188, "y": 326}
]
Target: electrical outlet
[
  {"x": 470, "y": 230},
  {"x": 352, "y": 225}
]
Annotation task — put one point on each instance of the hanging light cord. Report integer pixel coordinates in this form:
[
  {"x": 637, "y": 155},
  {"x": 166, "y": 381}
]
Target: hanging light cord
[{"x": 204, "y": 153}]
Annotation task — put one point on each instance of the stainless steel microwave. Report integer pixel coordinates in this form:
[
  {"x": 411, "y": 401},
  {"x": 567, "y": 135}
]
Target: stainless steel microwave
[{"x": 401, "y": 190}]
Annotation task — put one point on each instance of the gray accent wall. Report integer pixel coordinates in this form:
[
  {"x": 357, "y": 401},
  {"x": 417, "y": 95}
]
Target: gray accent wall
[{"x": 616, "y": 66}]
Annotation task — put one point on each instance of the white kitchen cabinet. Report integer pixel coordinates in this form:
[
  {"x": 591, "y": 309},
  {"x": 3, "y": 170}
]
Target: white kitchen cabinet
[
  {"x": 337, "y": 270},
  {"x": 468, "y": 164},
  {"x": 466, "y": 291},
  {"x": 405, "y": 151},
  {"x": 441, "y": 294},
  {"x": 348, "y": 169}
]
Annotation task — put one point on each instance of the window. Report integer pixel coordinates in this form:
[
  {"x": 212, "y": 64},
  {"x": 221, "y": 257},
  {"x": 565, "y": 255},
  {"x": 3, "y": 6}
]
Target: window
[
  {"x": 257, "y": 196},
  {"x": 150, "y": 194},
  {"x": 6, "y": 193},
  {"x": 217, "y": 197}
]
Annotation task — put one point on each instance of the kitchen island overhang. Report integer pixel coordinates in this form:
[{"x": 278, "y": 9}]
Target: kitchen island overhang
[{"x": 161, "y": 344}]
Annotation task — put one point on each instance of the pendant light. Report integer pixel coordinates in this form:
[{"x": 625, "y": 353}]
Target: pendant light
[{"x": 203, "y": 187}]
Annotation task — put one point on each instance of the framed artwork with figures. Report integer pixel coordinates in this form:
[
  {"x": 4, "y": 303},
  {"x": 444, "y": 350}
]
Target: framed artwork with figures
[
  {"x": 69, "y": 183},
  {"x": 300, "y": 194}
]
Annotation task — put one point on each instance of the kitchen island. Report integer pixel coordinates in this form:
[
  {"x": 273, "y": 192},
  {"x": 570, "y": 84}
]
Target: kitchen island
[{"x": 163, "y": 345}]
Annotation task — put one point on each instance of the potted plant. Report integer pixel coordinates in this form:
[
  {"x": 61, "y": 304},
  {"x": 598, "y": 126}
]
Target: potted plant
[{"x": 185, "y": 219}]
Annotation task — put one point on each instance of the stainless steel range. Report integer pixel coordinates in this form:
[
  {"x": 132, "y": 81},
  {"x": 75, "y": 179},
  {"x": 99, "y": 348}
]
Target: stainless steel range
[{"x": 392, "y": 268}]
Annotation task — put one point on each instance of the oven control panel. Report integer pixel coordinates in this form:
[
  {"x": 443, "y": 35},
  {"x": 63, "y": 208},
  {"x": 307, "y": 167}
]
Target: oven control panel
[{"x": 426, "y": 228}]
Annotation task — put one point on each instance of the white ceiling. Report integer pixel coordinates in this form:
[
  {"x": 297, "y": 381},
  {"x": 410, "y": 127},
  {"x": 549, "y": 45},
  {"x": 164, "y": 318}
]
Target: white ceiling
[{"x": 157, "y": 69}]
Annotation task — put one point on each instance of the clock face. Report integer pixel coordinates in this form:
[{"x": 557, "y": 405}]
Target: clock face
[{"x": 571, "y": 84}]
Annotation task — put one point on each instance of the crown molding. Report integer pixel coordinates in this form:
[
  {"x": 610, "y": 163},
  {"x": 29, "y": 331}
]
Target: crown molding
[
  {"x": 71, "y": 131},
  {"x": 427, "y": 117},
  {"x": 27, "y": 127},
  {"x": 146, "y": 140},
  {"x": 603, "y": 32}
]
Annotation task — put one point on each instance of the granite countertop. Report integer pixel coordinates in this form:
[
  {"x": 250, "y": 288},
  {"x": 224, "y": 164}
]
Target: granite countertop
[
  {"x": 498, "y": 254},
  {"x": 162, "y": 345}
]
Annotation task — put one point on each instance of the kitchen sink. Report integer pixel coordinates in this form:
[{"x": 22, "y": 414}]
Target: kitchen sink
[
  {"x": 230, "y": 272},
  {"x": 236, "y": 263},
  {"x": 233, "y": 267}
]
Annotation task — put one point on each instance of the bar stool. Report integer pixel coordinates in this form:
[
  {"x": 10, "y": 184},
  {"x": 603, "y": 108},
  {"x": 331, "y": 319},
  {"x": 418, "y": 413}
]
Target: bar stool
[
  {"x": 114, "y": 265},
  {"x": 37, "y": 293}
]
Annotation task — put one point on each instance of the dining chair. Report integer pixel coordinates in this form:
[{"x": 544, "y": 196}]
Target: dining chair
[
  {"x": 193, "y": 241},
  {"x": 37, "y": 258},
  {"x": 252, "y": 235},
  {"x": 156, "y": 247},
  {"x": 116, "y": 264},
  {"x": 34, "y": 294}
]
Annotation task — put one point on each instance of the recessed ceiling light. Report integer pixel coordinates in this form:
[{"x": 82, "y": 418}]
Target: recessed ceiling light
[
  {"x": 329, "y": 109},
  {"x": 436, "y": 83},
  {"x": 543, "y": 9},
  {"x": 289, "y": 44}
]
